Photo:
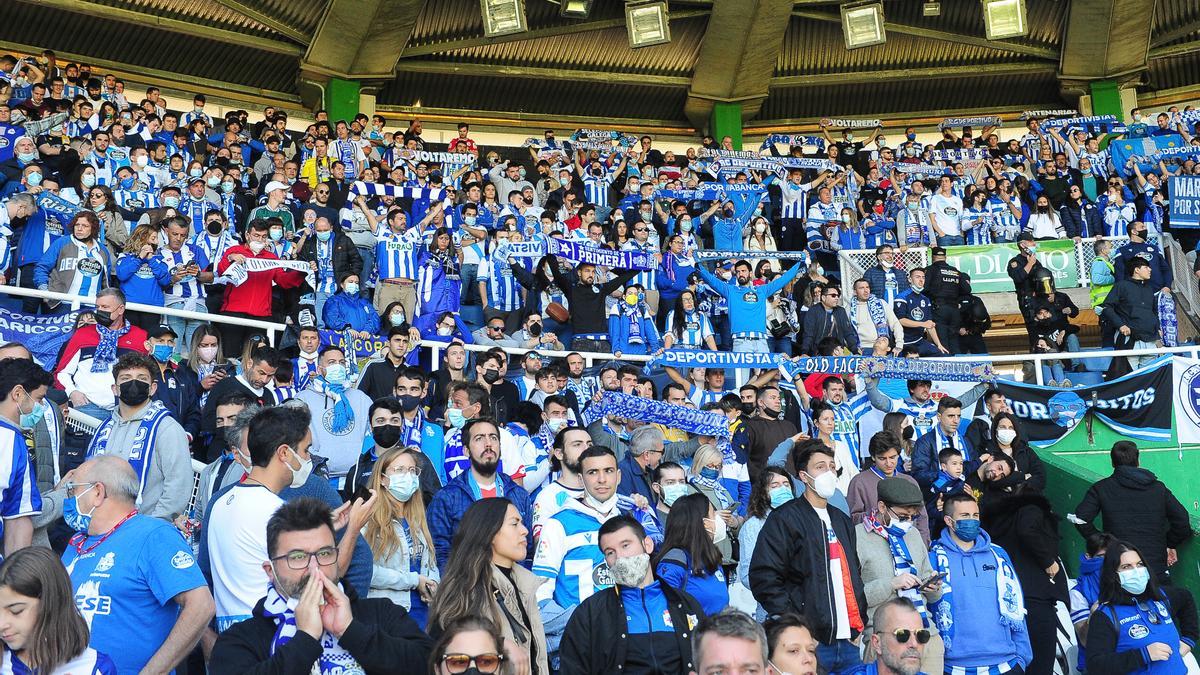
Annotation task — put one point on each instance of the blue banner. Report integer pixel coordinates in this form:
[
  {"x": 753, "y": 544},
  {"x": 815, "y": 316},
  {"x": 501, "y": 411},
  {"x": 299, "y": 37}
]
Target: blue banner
[
  {"x": 362, "y": 348},
  {"x": 1125, "y": 149},
  {"x": 42, "y": 335},
  {"x": 891, "y": 368},
  {"x": 703, "y": 358},
  {"x": 1185, "y": 201}
]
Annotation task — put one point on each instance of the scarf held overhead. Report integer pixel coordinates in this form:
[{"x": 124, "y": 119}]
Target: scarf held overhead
[{"x": 703, "y": 423}]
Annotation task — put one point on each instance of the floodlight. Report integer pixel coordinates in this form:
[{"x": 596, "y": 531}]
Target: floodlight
[
  {"x": 503, "y": 17},
  {"x": 1004, "y": 19},
  {"x": 647, "y": 23},
  {"x": 862, "y": 25}
]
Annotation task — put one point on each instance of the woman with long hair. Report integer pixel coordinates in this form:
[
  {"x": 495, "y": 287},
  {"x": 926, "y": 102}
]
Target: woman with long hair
[
  {"x": 484, "y": 577},
  {"x": 1007, "y": 439},
  {"x": 469, "y": 642},
  {"x": 143, "y": 275},
  {"x": 824, "y": 421},
  {"x": 439, "y": 287},
  {"x": 687, "y": 326},
  {"x": 78, "y": 264},
  {"x": 392, "y": 316},
  {"x": 113, "y": 229},
  {"x": 901, "y": 425},
  {"x": 405, "y": 566},
  {"x": 42, "y": 628},
  {"x": 757, "y": 237},
  {"x": 773, "y": 489},
  {"x": 1140, "y": 626},
  {"x": 688, "y": 558},
  {"x": 672, "y": 275},
  {"x": 204, "y": 357}
]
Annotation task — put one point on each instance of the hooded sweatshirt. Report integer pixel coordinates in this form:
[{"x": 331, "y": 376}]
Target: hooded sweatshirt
[{"x": 980, "y": 639}]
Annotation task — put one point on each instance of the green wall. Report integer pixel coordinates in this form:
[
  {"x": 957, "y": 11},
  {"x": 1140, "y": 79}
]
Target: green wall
[
  {"x": 1106, "y": 99},
  {"x": 727, "y": 121},
  {"x": 1073, "y": 464},
  {"x": 341, "y": 99}
]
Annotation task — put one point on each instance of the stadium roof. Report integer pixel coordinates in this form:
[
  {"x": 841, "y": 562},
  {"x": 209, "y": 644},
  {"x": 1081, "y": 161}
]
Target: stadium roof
[{"x": 784, "y": 60}]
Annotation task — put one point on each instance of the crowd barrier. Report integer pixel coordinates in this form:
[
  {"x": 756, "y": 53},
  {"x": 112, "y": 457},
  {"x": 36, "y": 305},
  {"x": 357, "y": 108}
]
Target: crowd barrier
[{"x": 1069, "y": 260}]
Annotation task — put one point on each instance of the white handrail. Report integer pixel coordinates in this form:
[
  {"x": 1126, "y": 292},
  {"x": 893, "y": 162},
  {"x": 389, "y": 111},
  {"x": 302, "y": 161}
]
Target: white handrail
[
  {"x": 436, "y": 347},
  {"x": 268, "y": 326}
]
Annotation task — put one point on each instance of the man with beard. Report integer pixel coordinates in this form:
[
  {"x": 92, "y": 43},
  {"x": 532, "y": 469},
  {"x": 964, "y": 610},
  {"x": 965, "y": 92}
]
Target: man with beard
[
  {"x": 899, "y": 640},
  {"x": 601, "y": 638},
  {"x": 481, "y": 440},
  {"x": 569, "y": 444},
  {"x": 766, "y": 430},
  {"x": 307, "y": 620}
]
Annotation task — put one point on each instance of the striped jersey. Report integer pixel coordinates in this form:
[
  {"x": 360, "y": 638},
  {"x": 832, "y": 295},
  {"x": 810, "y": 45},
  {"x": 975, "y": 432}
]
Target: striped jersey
[
  {"x": 977, "y": 225},
  {"x": 504, "y": 293},
  {"x": 596, "y": 188},
  {"x": 396, "y": 253},
  {"x": 348, "y": 153},
  {"x": 696, "y": 327},
  {"x": 846, "y": 416},
  {"x": 702, "y": 397},
  {"x": 1003, "y": 219},
  {"x": 19, "y": 495},
  {"x": 134, "y": 200},
  {"x": 568, "y": 555},
  {"x": 212, "y": 247},
  {"x": 187, "y": 287},
  {"x": 645, "y": 278},
  {"x": 194, "y": 209},
  {"x": 794, "y": 200},
  {"x": 88, "y": 662}
]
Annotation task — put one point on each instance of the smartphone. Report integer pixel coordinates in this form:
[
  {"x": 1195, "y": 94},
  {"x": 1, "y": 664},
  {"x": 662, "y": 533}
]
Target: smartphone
[{"x": 931, "y": 581}]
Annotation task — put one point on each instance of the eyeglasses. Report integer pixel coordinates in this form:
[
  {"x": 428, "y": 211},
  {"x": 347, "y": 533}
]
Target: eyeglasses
[
  {"x": 833, "y": 295},
  {"x": 495, "y": 327},
  {"x": 902, "y": 635},
  {"x": 899, "y": 518},
  {"x": 93, "y": 195},
  {"x": 486, "y": 663},
  {"x": 400, "y": 470},
  {"x": 639, "y": 229},
  {"x": 1114, "y": 183},
  {"x": 298, "y": 560},
  {"x": 72, "y": 486}
]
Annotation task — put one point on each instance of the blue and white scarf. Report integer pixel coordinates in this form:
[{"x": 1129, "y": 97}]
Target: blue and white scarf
[
  {"x": 1168, "y": 322},
  {"x": 792, "y": 139},
  {"x": 144, "y": 440},
  {"x": 804, "y": 257},
  {"x": 700, "y": 422},
  {"x": 901, "y": 560},
  {"x": 1008, "y": 594},
  {"x": 890, "y": 368},
  {"x": 106, "y": 350},
  {"x": 62, "y": 210},
  {"x": 942, "y": 441},
  {"x": 877, "y": 311},
  {"x": 397, "y": 191},
  {"x": 703, "y": 358},
  {"x": 334, "y": 659},
  {"x": 343, "y": 413},
  {"x": 991, "y": 121},
  {"x": 714, "y": 486}
]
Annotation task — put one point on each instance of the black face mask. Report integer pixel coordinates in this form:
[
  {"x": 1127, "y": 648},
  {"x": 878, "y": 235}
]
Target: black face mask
[
  {"x": 103, "y": 318},
  {"x": 535, "y": 329},
  {"x": 491, "y": 376},
  {"x": 134, "y": 392},
  {"x": 907, "y": 433},
  {"x": 214, "y": 228},
  {"x": 386, "y": 435},
  {"x": 409, "y": 403},
  {"x": 747, "y": 409}
]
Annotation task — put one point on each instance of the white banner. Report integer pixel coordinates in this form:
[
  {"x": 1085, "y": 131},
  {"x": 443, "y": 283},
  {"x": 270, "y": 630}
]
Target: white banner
[{"x": 1185, "y": 381}]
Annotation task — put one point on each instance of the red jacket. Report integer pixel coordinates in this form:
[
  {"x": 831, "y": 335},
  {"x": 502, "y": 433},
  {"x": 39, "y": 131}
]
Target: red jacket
[
  {"x": 254, "y": 296},
  {"x": 86, "y": 339}
]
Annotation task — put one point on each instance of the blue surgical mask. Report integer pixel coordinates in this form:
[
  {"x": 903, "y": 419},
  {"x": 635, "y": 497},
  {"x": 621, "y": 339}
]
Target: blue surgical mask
[
  {"x": 127, "y": 183},
  {"x": 1134, "y": 581},
  {"x": 34, "y": 179},
  {"x": 27, "y": 157},
  {"x": 30, "y": 419},
  {"x": 673, "y": 492},
  {"x": 171, "y": 202},
  {"x": 75, "y": 520},
  {"x": 227, "y": 187},
  {"x": 966, "y": 529},
  {"x": 780, "y": 496},
  {"x": 325, "y": 236},
  {"x": 163, "y": 352},
  {"x": 196, "y": 173},
  {"x": 455, "y": 417},
  {"x": 88, "y": 180},
  {"x": 352, "y": 288},
  {"x": 336, "y": 373},
  {"x": 470, "y": 220},
  {"x": 710, "y": 473},
  {"x": 403, "y": 486}
]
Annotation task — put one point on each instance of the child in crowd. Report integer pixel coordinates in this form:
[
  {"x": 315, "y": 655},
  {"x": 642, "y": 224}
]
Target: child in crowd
[{"x": 949, "y": 481}]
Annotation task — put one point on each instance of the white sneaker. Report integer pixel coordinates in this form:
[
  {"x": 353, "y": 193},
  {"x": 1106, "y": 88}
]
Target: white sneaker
[
  {"x": 1052, "y": 383},
  {"x": 1067, "y": 382}
]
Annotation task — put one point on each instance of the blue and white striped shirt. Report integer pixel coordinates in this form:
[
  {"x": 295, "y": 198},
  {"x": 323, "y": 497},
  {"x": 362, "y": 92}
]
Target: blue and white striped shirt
[
  {"x": 645, "y": 278},
  {"x": 596, "y": 188},
  {"x": 19, "y": 495},
  {"x": 194, "y": 209},
  {"x": 696, "y": 328},
  {"x": 187, "y": 287},
  {"x": 396, "y": 253},
  {"x": 504, "y": 293}
]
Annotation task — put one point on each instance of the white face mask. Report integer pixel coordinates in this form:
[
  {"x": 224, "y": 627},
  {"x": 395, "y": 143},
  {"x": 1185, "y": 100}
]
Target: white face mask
[
  {"x": 300, "y": 476},
  {"x": 605, "y": 506},
  {"x": 1006, "y": 436},
  {"x": 825, "y": 484},
  {"x": 720, "y": 530},
  {"x": 631, "y": 571}
]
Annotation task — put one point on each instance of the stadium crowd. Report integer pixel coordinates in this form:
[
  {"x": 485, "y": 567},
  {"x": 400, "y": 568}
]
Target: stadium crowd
[{"x": 452, "y": 510}]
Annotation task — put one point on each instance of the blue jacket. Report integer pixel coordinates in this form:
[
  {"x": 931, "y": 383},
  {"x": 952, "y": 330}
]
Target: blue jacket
[
  {"x": 343, "y": 310},
  {"x": 1160, "y": 271},
  {"x": 876, "y": 278},
  {"x": 143, "y": 280},
  {"x": 33, "y": 237},
  {"x": 635, "y": 481},
  {"x": 618, "y": 334},
  {"x": 925, "y": 465},
  {"x": 748, "y": 304},
  {"x": 979, "y": 639},
  {"x": 1082, "y": 221},
  {"x": 674, "y": 569},
  {"x": 179, "y": 390},
  {"x": 452, "y": 501}
]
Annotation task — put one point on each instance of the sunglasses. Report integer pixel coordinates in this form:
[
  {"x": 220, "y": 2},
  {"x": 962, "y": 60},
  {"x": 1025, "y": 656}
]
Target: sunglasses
[
  {"x": 639, "y": 229},
  {"x": 902, "y": 635},
  {"x": 486, "y": 663},
  {"x": 495, "y": 327}
]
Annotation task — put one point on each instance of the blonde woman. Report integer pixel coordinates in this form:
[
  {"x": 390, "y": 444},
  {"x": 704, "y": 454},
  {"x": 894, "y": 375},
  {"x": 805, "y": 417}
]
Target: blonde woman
[
  {"x": 705, "y": 477},
  {"x": 405, "y": 566},
  {"x": 143, "y": 275}
]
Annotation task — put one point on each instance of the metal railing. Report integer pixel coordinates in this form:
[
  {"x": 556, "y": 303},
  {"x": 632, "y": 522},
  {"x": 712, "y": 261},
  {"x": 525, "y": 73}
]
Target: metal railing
[
  {"x": 589, "y": 358},
  {"x": 269, "y": 326},
  {"x": 856, "y": 262}
]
